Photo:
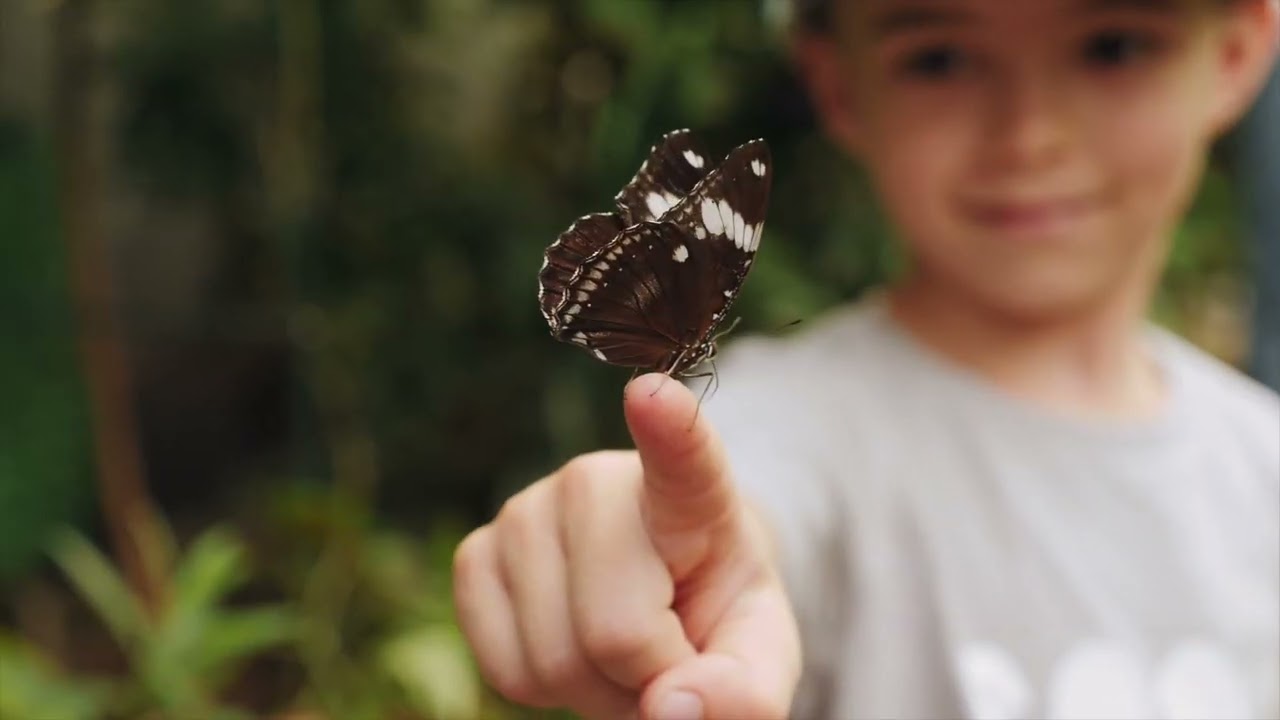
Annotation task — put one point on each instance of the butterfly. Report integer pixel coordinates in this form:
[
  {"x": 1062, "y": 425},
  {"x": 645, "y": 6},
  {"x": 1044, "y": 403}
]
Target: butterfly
[{"x": 647, "y": 285}]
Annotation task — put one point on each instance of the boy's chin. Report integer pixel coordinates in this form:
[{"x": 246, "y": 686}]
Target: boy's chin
[{"x": 1051, "y": 300}]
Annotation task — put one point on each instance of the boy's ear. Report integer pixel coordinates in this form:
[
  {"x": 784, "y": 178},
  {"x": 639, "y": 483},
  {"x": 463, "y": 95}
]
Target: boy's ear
[
  {"x": 819, "y": 59},
  {"x": 1247, "y": 55}
]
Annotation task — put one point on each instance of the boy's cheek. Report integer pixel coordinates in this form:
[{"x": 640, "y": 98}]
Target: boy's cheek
[{"x": 1154, "y": 161}]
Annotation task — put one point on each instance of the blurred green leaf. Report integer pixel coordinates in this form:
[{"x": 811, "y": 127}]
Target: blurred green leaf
[
  {"x": 32, "y": 689},
  {"x": 244, "y": 633},
  {"x": 103, "y": 587},
  {"x": 434, "y": 666}
]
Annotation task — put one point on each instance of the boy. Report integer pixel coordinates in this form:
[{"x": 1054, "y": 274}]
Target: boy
[{"x": 990, "y": 491}]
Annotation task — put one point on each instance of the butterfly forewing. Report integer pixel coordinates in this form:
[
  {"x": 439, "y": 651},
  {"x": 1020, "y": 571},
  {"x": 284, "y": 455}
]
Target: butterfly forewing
[
  {"x": 676, "y": 164},
  {"x": 726, "y": 212},
  {"x": 587, "y": 235}
]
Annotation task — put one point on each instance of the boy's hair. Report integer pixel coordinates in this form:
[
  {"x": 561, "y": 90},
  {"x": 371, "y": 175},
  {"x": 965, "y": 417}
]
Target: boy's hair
[{"x": 811, "y": 15}]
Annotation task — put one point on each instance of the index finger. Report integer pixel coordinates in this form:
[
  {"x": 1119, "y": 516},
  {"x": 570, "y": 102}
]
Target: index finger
[{"x": 686, "y": 479}]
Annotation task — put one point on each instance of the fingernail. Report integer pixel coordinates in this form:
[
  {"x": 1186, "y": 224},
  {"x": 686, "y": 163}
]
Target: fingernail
[{"x": 680, "y": 705}]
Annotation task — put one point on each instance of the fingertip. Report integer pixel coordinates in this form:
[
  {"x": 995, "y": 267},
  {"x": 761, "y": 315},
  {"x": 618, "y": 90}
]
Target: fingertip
[
  {"x": 653, "y": 402},
  {"x": 647, "y": 383},
  {"x": 648, "y": 389}
]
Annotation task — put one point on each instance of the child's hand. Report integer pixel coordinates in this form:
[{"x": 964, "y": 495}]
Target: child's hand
[{"x": 633, "y": 583}]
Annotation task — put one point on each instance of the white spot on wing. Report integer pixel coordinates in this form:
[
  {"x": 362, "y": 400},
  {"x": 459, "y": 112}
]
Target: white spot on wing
[
  {"x": 726, "y": 215},
  {"x": 740, "y": 231},
  {"x": 599, "y": 354},
  {"x": 700, "y": 232},
  {"x": 657, "y": 204},
  {"x": 693, "y": 158},
  {"x": 728, "y": 293},
  {"x": 711, "y": 218},
  {"x": 681, "y": 254},
  {"x": 757, "y": 167}
]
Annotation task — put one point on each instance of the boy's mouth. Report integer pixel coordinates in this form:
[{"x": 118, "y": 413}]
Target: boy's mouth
[{"x": 1033, "y": 217}]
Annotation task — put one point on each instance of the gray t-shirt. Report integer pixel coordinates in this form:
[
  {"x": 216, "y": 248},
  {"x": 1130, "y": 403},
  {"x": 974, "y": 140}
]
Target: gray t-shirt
[{"x": 954, "y": 552}]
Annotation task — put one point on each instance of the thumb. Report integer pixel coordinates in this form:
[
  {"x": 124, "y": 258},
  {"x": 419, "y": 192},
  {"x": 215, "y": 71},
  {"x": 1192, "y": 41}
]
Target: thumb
[
  {"x": 748, "y": 670},
  {"x": 686, "y": 479}
]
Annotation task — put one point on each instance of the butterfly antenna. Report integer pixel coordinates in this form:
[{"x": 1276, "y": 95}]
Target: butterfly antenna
[{"x": 793, "y": 323}]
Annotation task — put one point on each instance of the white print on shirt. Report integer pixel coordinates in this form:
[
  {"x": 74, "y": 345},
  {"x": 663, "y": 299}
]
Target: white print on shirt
[
  {"x": 994, "y": 685},
  {"x": 1105, "y": 679}
]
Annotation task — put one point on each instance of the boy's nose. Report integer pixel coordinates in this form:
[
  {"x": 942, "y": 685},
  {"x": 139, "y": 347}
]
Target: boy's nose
[{"x": 1028, "y": 121}]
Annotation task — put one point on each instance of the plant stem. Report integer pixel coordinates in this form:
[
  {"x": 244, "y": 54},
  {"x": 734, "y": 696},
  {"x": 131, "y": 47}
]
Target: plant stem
[{"x": 127, "y": 509}]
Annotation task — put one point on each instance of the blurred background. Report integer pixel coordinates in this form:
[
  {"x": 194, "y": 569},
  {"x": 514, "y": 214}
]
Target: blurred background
[{"x": 269, "y": 343}]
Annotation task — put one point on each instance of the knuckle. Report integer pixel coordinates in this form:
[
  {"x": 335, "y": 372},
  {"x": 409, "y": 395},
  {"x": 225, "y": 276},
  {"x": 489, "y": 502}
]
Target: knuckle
[
  {"x": 601, "y": 463},
  {"x": 519, "y": 520},
  {"x": 580, "y": 479},
  {"x": 613, "y": 638},
  {"x": 583, "y": 467},
  {"x": 471, "y": 555},
  {"x": 560, "y": 667},
  {"x": 577, "y": 483},
  {"x": 512, "y": 683}
]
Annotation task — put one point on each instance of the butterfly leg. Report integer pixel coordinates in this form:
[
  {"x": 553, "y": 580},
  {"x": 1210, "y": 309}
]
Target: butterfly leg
[
  {"x": 664, "y": 382},
  {"x": 727, "y": 330},
  {"x": 714, "y": 378}
]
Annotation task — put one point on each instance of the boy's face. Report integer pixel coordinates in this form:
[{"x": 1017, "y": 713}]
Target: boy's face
[{"x": 1035, "y": 155}]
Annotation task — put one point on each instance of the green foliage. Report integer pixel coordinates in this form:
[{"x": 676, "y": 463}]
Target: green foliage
[
  {"x": 180, "y": 660},
  {"x": 32, "y": 689},
  {"x": 44, "y": 445}
]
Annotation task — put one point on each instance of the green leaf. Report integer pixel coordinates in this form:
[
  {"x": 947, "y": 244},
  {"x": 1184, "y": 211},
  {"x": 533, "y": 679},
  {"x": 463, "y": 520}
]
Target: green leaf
[
  {"x": 98, "y": 582},
  {"x": 213, "y": 566},
  {"x": 33, "y": 689},
  {"x": 241, "y": 634},
  {"x": 433, "y": 666}
]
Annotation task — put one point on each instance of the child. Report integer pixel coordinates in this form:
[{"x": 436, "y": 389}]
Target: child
[{"x": 990, "y": 490}]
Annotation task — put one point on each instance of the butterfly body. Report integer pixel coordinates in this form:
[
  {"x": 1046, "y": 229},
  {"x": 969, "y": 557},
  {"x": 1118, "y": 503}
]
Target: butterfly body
[{"x": 648, "y": 285}]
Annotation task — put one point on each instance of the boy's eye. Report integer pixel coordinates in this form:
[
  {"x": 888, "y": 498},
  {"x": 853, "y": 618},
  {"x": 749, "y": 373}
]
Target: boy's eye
[
  {"x": 1115, "y": 49},
  {"x": 934, "y": 63}
]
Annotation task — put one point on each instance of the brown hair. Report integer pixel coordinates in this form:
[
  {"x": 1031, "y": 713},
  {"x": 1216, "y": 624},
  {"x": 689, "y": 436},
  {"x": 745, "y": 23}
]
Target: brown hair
[{"x": 811, "y": 15}]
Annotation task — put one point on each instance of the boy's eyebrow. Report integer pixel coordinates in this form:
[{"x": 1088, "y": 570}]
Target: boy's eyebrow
[
  {"x": 904, "y": 17},
  {"x": 1149, "y": 5},
  {"x": 901, "y": 17}
]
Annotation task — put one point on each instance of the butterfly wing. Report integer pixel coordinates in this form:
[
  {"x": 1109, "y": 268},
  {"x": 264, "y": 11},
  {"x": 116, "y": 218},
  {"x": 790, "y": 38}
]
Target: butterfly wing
[
  {"x": 653, "y": 295},
  {"x": 725, "y": 214},
  {"x": 563, "y": 258},
  {"x": 639, "y": 301},
  {"x": 676, "y": 164}
]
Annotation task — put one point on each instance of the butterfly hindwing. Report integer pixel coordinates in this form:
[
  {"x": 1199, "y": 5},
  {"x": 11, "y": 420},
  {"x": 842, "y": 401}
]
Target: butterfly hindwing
[
  {"x": 641, "y": 300},
  {"x": 587, "y": 235}
]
